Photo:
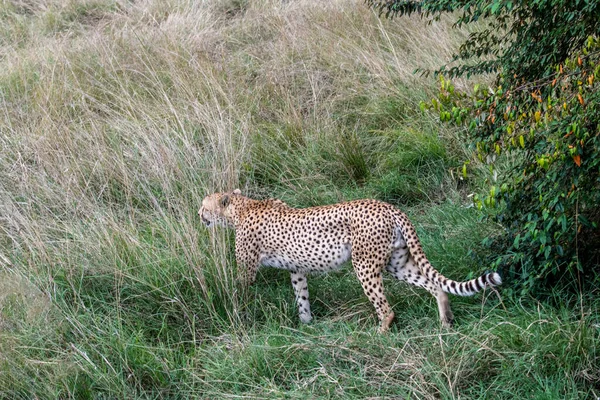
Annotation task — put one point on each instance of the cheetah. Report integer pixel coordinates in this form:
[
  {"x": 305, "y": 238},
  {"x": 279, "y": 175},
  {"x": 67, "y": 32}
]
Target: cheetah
[{"x": 374, "y": 234}]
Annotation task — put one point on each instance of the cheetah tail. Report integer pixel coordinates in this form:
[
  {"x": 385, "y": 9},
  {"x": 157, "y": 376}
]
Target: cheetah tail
[{"x": 467, "y": 288}]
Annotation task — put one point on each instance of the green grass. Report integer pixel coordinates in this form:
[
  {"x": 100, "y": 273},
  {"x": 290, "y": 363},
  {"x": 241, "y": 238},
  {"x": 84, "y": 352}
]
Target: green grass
[{"x": 116, "y": 120}]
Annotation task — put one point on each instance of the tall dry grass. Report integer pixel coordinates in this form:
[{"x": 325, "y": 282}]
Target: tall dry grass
[{"x": 117, "y": 115}]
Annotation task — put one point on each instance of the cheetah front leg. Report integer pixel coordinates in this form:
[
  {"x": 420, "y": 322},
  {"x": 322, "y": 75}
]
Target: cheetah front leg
[
  {"x": 301, "y": 291},
  {"x": 246, "y": 256}
]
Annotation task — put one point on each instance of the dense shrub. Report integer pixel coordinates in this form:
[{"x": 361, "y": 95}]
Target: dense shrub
[
  {"x": 542, "y": 114},
  {"x": 550, "y": 201}
]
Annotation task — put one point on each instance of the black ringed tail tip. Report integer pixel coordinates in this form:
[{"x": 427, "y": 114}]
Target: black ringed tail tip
[
  {"x": 494, "y": 279},
  {"x": 470, "y": 287}
]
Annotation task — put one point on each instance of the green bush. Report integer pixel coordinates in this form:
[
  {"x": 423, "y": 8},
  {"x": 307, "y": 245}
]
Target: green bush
[
  {"x": 550, "y": 203},
  {"x": 542, "y": 117}
]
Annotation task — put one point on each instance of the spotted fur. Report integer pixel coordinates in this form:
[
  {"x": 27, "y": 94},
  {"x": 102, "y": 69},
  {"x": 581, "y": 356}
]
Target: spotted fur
[{"x": 374, "y": 234}]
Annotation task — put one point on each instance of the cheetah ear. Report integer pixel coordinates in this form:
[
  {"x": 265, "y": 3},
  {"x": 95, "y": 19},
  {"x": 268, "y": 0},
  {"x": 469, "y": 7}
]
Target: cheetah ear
[
  {"x": 225, "y": 201},
  {"x": 237, "y": 191}
]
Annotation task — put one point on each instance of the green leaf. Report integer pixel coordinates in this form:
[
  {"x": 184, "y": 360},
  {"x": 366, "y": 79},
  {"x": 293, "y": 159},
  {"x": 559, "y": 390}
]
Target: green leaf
[{"x": 516, "y": 241}]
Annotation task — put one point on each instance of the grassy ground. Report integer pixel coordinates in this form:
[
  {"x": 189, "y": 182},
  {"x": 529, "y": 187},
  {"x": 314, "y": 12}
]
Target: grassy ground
[{"x": 117, "y": 118}]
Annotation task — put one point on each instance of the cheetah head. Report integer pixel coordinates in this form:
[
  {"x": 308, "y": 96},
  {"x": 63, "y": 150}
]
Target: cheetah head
[{"x": 217, "y": 209}]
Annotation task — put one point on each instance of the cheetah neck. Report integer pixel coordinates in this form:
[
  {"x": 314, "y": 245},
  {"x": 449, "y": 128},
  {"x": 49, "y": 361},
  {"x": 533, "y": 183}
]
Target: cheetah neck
[{"x": 239, "y": 207}]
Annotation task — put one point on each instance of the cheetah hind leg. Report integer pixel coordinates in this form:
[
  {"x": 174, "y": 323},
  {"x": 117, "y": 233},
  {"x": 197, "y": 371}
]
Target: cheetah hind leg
[
  {"x": 372, "y": 284},
  {"x": 403, "y": 267}
]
